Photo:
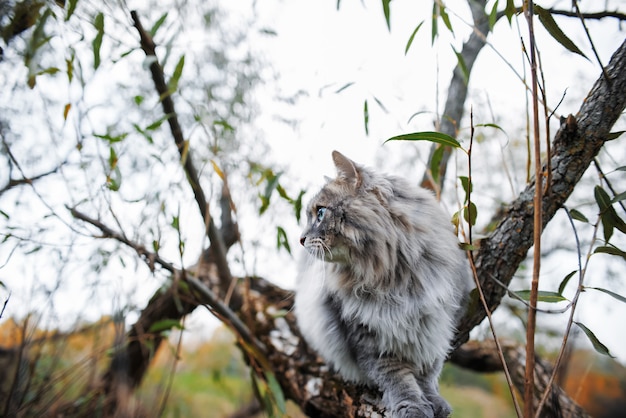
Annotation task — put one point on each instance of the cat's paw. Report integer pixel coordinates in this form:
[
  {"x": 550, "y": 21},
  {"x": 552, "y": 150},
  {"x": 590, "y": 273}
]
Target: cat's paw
[
  {"x": 412, "y": 410},
  {"x": 441, "y": 408}
]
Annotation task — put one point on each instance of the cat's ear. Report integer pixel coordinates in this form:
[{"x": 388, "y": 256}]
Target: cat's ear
[{"x": 347, "y": 170}]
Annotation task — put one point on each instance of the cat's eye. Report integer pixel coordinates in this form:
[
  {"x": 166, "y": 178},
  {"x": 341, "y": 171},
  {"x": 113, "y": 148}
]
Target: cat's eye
[{"x": 320, "y": 213}]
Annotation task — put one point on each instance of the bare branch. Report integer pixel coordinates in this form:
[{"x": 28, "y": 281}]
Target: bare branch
[
  {"x": 149, "y": 257},
  {"x": 218, "y": 247}
]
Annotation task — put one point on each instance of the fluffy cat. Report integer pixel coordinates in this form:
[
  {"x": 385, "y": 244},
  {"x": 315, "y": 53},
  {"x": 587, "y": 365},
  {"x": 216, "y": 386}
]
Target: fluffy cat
[{"x": 382, "y": 303}]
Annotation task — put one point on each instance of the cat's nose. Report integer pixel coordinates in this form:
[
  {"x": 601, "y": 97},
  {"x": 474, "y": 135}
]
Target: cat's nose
[{"x": 302, "y": 240}]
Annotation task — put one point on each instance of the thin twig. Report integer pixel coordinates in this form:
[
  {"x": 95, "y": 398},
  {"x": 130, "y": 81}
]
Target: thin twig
[
  {"x": 529, "y": 380},
  {"x": 593, "y": 47},
  {"x": 570, "y": 321},
  {"x": 475, "y": 274},
  {"x": 149, "y": 257}
]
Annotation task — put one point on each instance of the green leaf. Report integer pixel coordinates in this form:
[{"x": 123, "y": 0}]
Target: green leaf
[
  {"x": 609, "y": 217},
  {"x": 445, "y": 17},
  {"x": 435, "y": 162},
  {"x": 158, "y": 24},
  {"x": 178, "y": 71},
  {"x": 430, "y": 136},
  {"x": 461, "y": 65},
  {"x": 297, "y": 205},
  {"x": 412, "y": 37},
  {"x": 610, "y": 250},
  {"x": 619, "y": 197},
  {"x": 366, "y": 118},
  {"x": 112, "y": 158},
  {"x": 114, "y": 179},
  {"x": 281, "y": 239},
  {"x": 575, "y": 214},
  {"x": 493, "y": 15},
  {"x": 470, "y": 213},
  {"x": 158, "y": 123},
  {"x": 71, "y": 7},
  {"x": 491, "y": 125},
  {"x": 277, "y": 392},
  {"x": 467, "y": 186},
  {"x": 608, "y": 292},
  {"x": 435, "y": 23},
  {"x": 164, "y": 325},
  {"x": 112, "y": 139},
  {"x": 597, "y": 345},
  {"x": 565, "y": 281},
  {"x": 553, "y": 29},
  {"x": 509, "y": 10},
  {"x": 542, "y": 296},
  {"x": 97, "y": 41},
  {"x": 345, "y": 86},
  {"x": 387, "y": 13}
]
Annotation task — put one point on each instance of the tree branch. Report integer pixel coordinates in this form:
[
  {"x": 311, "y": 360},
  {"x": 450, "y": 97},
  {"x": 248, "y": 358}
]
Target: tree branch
[
  {"x": 457, "y": 90},
  {"x": 576, "y": 144},
  {"x": 218, "y": 247}
]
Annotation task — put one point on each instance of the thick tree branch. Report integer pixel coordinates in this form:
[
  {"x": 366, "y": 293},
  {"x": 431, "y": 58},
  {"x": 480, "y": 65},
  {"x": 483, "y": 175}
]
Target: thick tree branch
[
  {"x": 575, "y": 145},
  {"x": 458, "y": 87}
]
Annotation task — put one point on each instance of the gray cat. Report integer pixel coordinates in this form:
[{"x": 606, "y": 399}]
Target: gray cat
[{"x": 382, "y": 303}]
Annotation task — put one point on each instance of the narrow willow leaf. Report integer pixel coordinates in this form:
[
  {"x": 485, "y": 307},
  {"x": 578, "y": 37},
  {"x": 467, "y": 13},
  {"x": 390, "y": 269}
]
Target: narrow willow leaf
[
  {"x": 297, "y": 205},
  {"x": 435, "y": 23},
  {"x": 491, "y": 125},
  {"x": 387, "y": 13},
  {"x": 542, "y": 296},
  {"x": 493, "y": 15},
  {"x": 66, "y": 110},
  {"x": 597, "y": 345},
  {"x": 610, "y": 219},
  {"x": 97, "y": 41},
  {"x": 412, "y": 37},
  {"x": 345, "y": 86},
  {"x": 178, "y": 71},
  {"x": 509, "y": 10},
  {"x": 614, "y": 135},
  {"x": 380, "y": 104},
  {"x": 281, "y": 239},
  {"x": 610, "y": 250},
  {"x": 548, "y": 22},
  {"x": 366, "y": 118},
  {"x": 435, "y": 162},
  {"x": 158, "y": 24},
  {"x": 461, "y": 65},
  {"x": 445, "y": 17},
  {"x": 608, "y": 292},
  {"x": 276, "y": 393},
  {"x": 164, "y": 325},
  {"x": 619, "y": 197},
  {"x": 565, "y": 281},
  {"x": 430, "y": 136},
  {"x": 70, "y": 9},
  {"x": 575, "y": 214}
]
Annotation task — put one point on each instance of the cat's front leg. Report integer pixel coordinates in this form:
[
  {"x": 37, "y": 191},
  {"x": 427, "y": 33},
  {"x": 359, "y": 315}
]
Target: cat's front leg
[{"x": 402, "y": 395}]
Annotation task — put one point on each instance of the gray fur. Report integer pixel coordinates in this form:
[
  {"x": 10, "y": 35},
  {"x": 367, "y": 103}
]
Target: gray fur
[{"x": 382, "y": 286}]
